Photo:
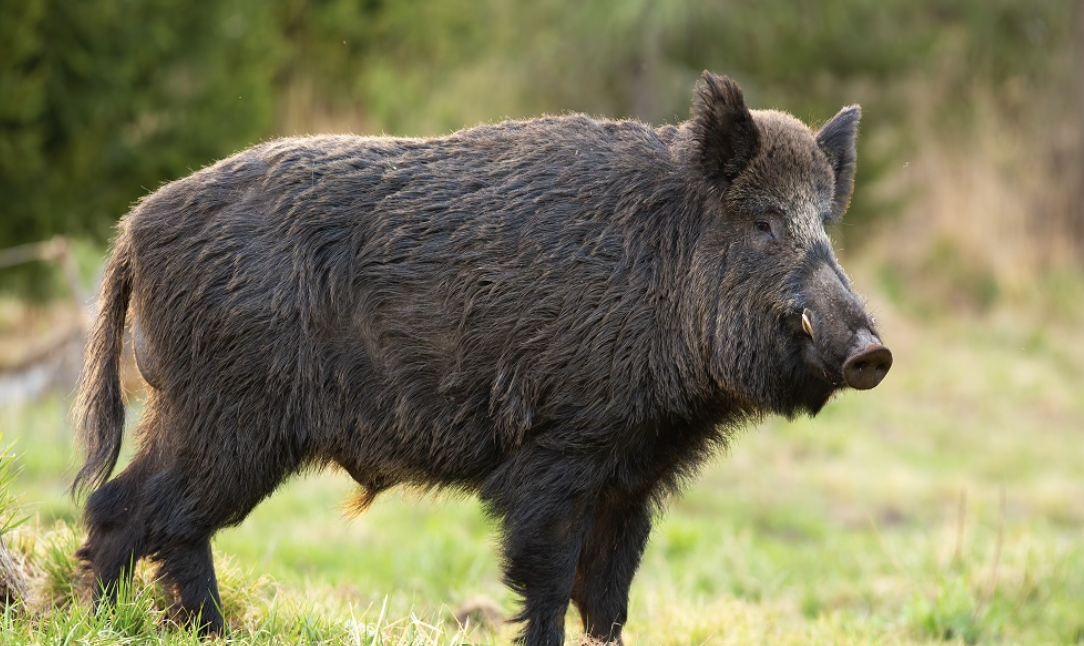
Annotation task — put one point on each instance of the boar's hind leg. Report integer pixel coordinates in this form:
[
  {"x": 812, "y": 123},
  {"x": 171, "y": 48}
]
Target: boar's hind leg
[
  {"x": 609, "y": 559},
  {"x": 544, "y": 500},
  {"x": 188, "y": 502},
  {"x": 115, "y": 530}
]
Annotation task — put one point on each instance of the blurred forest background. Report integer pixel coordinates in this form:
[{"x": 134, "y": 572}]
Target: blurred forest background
[{"x": 970, "y": 160}]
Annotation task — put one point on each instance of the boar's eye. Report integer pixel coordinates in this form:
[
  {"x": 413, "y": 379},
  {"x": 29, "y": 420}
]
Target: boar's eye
[{"x": 764, "y": 227}]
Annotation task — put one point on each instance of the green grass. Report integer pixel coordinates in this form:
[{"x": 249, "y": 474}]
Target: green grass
[{"x": 942, "y": 507}]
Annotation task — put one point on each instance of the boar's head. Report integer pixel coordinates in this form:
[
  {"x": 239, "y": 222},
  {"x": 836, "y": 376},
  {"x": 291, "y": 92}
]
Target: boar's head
[{"x": 777, "y": 314}]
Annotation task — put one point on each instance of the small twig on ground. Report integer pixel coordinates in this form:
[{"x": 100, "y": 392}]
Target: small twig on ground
[
  {"x": 881, "y": 543},
  {"x": 961, "y": 522},
  {"x": 991, "y": 584}
]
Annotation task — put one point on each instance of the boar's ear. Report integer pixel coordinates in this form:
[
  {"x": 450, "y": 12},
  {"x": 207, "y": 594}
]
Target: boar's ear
[
  {"x": 837, "y": 139},
  {"x": 725, "y": 138}
]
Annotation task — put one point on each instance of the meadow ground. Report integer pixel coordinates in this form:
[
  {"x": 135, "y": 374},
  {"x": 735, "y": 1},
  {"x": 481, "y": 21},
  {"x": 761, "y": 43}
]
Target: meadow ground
[{"x": 942, "y": 507}]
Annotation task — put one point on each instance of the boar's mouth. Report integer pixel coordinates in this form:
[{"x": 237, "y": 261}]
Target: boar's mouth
[
  {"x": 813, "y": 381},
  {"x": 840, "y": 355}
]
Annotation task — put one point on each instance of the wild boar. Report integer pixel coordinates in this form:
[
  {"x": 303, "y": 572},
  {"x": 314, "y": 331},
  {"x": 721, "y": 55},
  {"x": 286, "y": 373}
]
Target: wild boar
[{"x": 565, "y": 315}]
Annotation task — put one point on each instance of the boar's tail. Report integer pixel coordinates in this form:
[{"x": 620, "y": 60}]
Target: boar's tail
[{"x": 99, "y": 408}]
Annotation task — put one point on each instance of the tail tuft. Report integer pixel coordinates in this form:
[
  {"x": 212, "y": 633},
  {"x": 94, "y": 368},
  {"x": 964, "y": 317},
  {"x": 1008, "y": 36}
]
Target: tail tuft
[{"x": 99, "y": 408}]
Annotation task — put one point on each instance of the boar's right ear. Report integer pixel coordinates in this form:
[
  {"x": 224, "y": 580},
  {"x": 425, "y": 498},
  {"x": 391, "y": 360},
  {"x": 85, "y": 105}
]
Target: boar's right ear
[{"x": 725, "y": 138}]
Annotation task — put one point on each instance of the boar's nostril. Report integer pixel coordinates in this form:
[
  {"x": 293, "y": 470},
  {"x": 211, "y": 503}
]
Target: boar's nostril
[{"x": 866, "y": 368}]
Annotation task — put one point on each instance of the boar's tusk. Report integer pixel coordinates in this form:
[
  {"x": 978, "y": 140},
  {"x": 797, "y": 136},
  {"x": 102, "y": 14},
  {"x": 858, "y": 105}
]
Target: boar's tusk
[{"x": 807, "y": 323}]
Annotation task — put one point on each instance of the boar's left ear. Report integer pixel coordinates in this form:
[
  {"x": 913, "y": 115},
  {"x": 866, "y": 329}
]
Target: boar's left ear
[
  {"x": 837, "y": 139},
  {"x": 725, "y": 137}
]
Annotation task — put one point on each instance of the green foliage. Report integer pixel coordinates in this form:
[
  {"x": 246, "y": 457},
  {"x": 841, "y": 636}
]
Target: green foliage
[
  {"x": 104, "y": 100},
  {"x": 951, "y": 614}
]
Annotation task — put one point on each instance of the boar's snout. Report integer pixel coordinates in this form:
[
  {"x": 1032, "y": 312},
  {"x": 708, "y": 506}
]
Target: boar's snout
[
  {"x": 868, "y": 363},
  {"x": 844, "y": 344}
]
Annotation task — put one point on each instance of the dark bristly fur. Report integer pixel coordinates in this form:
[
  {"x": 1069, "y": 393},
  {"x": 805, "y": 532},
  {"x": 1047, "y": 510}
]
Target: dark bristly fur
[{"x": 565, "y": 315}]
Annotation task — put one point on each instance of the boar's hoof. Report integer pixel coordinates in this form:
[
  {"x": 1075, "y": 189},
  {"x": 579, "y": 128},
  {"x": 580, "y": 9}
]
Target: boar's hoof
[{"x": 866, "y": 368}]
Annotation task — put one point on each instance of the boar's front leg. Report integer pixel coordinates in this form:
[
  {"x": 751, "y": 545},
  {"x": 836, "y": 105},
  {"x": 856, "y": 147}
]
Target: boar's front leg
[
  {"x": 545, "y": 500},
  {"x": 609, "y": 560}
]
